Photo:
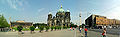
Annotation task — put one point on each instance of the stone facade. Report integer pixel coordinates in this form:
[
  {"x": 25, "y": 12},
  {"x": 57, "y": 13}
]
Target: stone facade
[
  {"x": 22, "y": 23},
  {"x": 62, "y": 18}
]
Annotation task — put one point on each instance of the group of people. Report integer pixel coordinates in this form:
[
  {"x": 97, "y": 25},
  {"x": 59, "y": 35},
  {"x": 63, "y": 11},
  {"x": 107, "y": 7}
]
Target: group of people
[
  {"x": 80, "y": 29},
  {"x": 103, "y": 33}
]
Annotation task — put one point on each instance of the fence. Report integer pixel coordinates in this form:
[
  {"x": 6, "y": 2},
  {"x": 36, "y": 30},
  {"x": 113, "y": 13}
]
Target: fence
[{"x": 4, "y": 29}]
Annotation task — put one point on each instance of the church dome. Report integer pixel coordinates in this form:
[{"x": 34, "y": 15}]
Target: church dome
[
  {"x": 61, "y": 9},
  {"x": 67, "y": 11},
  {"x": 50, "y": 12}
]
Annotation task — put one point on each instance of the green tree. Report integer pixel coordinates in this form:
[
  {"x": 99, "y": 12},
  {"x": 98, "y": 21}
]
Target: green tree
[
  {"x": 59, "y": 27},
  {"x": 72, "y": 25},
  {"x": 3, "y": 22},
  {"x": 19, "y": 28},
  {"x": 32, "y": 28},
  {"x": 75, "y": 26},
  {"x": 41, "y": 28},
  {"x": 55, "y": 27},
  {"x": 52, "y": 28},
  {"x": 47, "y": 28}
]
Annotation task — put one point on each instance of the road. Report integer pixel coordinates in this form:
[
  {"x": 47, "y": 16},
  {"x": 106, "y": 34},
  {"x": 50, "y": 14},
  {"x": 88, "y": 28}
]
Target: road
[
  {"x": 58, "y": 33},
  {"x": 97, "y": 34},
  {"x": 109, "y": 31}
]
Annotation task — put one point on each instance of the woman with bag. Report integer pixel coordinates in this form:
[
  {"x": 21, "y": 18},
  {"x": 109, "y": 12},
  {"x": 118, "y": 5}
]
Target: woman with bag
[{"x": 104, "y": 32}]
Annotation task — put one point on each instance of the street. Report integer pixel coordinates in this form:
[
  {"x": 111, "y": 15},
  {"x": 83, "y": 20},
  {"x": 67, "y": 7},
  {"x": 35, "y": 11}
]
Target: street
[{"x": 57, "y": 33}]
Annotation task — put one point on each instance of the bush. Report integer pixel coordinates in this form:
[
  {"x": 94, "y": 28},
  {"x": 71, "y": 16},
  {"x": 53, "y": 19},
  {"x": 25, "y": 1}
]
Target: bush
[
  {"x": 14, "y": 28},
  {"x": 47, "y": 27},
  {"x": 25, "y": 29},
  {"x": 41, "y": 28},
  {"x": 19, "y": 28},
  {"x": 32, "y": 28},
  {"x": 36, "y": 29}
]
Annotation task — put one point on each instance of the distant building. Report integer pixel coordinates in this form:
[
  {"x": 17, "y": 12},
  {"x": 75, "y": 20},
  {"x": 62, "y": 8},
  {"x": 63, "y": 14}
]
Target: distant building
[
  {"x": 100, "y": 21},
  {"x": 22, "y": 23},
  {"x": 62, "y": 18}
]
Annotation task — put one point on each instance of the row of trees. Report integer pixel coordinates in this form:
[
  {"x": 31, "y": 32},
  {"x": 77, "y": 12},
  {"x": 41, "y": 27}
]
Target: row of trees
[
  {"x": 41, "y": 28},
  {"x": 72, "y": 25}
]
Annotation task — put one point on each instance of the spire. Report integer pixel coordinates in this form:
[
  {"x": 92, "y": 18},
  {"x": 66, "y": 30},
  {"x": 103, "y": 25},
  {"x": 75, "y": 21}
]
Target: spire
[
  {"x": 61, "y": 9},
  {"x": 61, "y": 5}
]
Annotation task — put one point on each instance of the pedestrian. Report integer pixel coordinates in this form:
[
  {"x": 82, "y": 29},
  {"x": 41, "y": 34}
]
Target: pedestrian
[
  {"x": 85, "y": 32},
  {"x": 80, "y": 29},
  {"x": 104, "y": 32}
]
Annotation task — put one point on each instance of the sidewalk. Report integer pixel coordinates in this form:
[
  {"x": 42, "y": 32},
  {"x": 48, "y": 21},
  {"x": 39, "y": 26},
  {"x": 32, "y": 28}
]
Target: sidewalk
[
  {"x": 57, "y": 33},
  {"x": 93, "y": 34}
]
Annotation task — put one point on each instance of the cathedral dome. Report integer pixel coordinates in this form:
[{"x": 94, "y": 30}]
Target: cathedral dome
[
  {"x": 61, "y": 9},
  {"x": 50, "y": 12},
  {"x": 67, "y": 11}
]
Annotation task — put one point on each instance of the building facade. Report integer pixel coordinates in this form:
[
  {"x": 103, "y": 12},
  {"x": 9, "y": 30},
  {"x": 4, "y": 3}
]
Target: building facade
[
  {"x": 62, "y": 18},
  {"x": 22, "y": 23},
  {"x": 97, "y": 20}
]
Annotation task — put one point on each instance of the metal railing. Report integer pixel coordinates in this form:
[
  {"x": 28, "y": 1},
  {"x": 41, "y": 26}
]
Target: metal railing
[{"x": 4, "y": 29}]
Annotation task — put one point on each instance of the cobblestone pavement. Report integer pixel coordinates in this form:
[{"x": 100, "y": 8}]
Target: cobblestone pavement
[{"x": 57, "y": 33}]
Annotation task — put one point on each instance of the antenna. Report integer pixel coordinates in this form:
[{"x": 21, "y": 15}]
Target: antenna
[
  {"x": 10, "y": 19},
  {"x": 10, "y": 22},
  {"x": 80, "y": 18}
]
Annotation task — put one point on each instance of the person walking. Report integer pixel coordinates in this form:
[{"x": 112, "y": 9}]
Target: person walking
[
  {"x": 104, "y": 32},
  {"x": 86, "y": 32},
  {"x": 80, "y": 29}
]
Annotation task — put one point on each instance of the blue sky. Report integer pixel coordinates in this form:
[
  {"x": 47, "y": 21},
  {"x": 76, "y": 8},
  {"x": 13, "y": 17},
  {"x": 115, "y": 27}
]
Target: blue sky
[{"x": 37, "y": 10}]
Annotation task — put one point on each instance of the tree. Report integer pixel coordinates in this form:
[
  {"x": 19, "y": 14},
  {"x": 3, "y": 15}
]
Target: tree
[
  {"x": 32, "y": 28},
  {"x": 59, "y": 27},
  {"x": 41, "y": 28},
  {"x": 52, "y": 28},
  {"x": 19, "y": 28},
  {"x": 47, "y": 27},
  {"x": 3, "y": 22},
  {"x": 75, "y": 26},
  {"x": 72, "y": 25},
  {"x": 64, "y": 27},
  {"x": 39, "y": 24},
  {"x": 55, "y": 27}
]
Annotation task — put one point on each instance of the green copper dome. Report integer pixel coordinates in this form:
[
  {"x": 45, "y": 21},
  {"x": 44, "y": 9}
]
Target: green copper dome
[{"x": 61, "y": 9}]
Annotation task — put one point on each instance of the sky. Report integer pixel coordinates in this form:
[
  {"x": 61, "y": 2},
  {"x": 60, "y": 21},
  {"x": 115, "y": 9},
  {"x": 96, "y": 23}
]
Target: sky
[{"x": 37, "y": 10}]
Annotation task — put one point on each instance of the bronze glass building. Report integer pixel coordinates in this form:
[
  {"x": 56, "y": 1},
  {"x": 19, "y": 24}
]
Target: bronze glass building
[{"x": 100, "y": 21}]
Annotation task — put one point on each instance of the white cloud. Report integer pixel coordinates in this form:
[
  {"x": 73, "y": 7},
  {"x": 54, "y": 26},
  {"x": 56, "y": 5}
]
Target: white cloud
[
  {"x": 114, "y": 13},
  {"x": 41, "y": 9},
  {"x": 16, "y": 4}
]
